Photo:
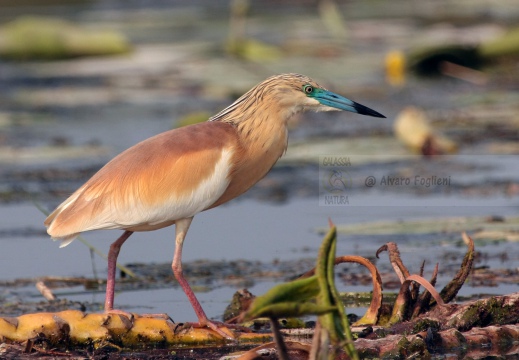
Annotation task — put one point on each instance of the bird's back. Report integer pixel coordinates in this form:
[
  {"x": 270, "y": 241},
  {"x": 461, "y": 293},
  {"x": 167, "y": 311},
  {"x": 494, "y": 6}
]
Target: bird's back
[{"x": 170, "y": 176}]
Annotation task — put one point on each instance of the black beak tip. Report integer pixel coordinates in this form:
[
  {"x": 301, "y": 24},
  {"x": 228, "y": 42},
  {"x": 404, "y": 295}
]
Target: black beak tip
[{"x": 364, "y": 110}]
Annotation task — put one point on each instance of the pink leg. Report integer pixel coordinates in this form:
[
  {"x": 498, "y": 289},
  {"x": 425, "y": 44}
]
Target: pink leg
[
  {"x": 181, "y": 228},
  {"x": 112, "y": 260}
]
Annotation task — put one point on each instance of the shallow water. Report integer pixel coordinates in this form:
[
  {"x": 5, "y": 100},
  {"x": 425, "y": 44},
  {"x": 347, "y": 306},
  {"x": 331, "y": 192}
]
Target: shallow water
[{"x": 240, "y": 230}]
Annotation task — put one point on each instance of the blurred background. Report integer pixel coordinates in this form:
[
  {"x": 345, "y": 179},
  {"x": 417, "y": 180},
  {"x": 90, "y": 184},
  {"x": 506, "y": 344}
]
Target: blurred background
[{"x": 80, "y": 81}]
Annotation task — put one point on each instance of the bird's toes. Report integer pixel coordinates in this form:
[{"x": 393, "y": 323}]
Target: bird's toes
[
  {"x": 220, "y": 328},
  {"x": 128, "y": 315}
]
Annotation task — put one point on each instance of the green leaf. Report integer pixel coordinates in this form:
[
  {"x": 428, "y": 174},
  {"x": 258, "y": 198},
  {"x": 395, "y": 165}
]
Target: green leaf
[
  {"x": 291, "y": 292},
  {"x": 292, "y": 309}
]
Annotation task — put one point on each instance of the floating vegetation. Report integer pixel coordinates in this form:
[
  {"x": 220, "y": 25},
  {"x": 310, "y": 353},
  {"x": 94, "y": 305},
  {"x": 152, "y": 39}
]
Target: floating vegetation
[
  {"x": 415, "y": 323},
  {"x": 47, "y": 38}
]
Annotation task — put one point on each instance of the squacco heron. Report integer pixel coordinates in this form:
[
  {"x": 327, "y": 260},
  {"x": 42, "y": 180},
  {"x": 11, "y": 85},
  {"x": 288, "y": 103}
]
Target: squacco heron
[{"x": 169, "y": 178}]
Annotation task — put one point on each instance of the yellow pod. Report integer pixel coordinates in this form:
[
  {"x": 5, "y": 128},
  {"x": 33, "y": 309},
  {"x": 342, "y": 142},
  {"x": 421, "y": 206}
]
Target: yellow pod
[
  {"x": 85, "y": 328},
  {"x": 40, "y": 324}
]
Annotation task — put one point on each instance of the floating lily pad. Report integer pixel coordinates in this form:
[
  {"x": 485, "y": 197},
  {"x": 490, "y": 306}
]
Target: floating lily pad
[
  {"x": 378, "y": 150},
  {"x": 12, "y": 155},
  {"x": 47, "y": 38},
  {"x": 484, "y": 229}
]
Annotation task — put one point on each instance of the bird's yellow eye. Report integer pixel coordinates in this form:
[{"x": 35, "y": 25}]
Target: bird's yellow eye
[{"x": 308, "y": 89}]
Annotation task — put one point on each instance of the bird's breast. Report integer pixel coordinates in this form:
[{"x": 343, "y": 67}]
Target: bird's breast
[{"x": 252, "y": 161}]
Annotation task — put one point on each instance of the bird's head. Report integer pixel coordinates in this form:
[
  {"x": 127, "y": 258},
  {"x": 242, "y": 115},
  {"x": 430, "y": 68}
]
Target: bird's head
[
  {"x": 281, "y": 96},
  {"x": 303, "y": 93}
]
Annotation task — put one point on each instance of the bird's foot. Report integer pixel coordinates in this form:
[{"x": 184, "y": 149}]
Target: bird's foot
[
  {"x": 126, "y": 314},
  {"x": 220, "y": 328}
]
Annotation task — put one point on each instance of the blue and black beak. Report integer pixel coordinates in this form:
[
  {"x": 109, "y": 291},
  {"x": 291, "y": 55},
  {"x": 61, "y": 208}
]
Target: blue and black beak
[{"x": 331, "y": 99}]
